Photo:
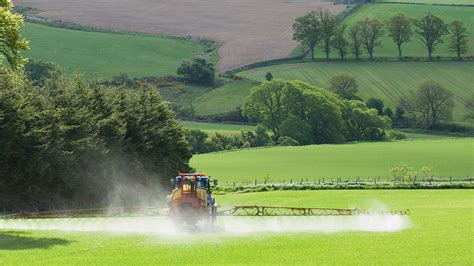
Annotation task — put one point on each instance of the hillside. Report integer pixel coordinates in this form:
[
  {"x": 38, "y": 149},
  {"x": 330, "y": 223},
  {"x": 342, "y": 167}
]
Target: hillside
[
  {"x": 447, "y": 157},
  {"x": 104, "y": 55},
  {"x": 383, "y": 11},
  {"x": 385, "y": 80},
  {"x": 248, "y": 31}
]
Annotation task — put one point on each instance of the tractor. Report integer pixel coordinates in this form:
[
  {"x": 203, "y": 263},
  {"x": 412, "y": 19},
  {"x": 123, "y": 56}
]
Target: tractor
[{"x": 191, "y": 199}]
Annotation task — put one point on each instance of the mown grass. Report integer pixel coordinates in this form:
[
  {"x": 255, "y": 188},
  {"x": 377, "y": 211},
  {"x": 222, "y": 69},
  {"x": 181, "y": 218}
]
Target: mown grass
[
  {"x": 384, "y": 80},
  {"x": 212, "y": 128},
  {"x": 447, "y": 157},
  {"x": 223, "y": 99},
  {"x": 441, "y": 233},
  {"x": 104, "y": 55}
]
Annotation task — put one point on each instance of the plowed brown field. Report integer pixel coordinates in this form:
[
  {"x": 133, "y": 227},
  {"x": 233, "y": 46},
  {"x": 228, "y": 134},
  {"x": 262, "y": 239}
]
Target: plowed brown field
[{"x": 248, "y": 30}]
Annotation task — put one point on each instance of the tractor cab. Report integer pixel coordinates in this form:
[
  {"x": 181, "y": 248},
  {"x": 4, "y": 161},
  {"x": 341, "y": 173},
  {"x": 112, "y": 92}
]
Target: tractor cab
[{"x": 192, "y": 195}]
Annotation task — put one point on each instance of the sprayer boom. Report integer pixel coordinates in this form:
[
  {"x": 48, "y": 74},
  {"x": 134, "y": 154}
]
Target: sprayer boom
[{"x": 295, "y": 211}]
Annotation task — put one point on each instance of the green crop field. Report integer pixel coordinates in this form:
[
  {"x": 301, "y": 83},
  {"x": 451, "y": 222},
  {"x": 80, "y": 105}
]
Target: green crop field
[
  {"x": 447, "y": 157},
  {"x": 217, "y": 127},
  {"x": 383, "y": 11},
  {"x": 385, "y": 80},
  {"x": 104, "y": 55},
  {"x": 223, "y": 99},
  {"x": 440, "y": 233}
]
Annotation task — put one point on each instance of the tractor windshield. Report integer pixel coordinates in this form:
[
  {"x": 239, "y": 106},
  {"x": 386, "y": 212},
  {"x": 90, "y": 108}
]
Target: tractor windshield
[
  {"x": 188, "y": 186},
  {"x": 201, "y": 184}
]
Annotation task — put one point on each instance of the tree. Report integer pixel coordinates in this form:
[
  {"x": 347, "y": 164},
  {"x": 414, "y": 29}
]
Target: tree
[
  {"x": 339, "y": 41},
  {"x": 430, "y": 30},
  {"x": 328, "y": 26},
  {"x": 307, "y": 30},
  {"x": 297, "y": 129},
  {"x": 376, "y": 104},
  {"x": 399, "y": 29},
  {"x": 269, "y": 76},
  {"x": 197, "y": 70},
  {"x": 265, "y": 104},
  {"x": 372, "y": 31},
  {"x": 459, "y": 38},
  {"x": 356, "y": 40},
  {"x": 470, "y": 108},
  {"x": 344, "y": 85},
  {"x": 388, "y": 112},
  {"x": 433, "y": 102},
  {"x": 11, "y": 43},
  {"x": 363, "y": 123}
]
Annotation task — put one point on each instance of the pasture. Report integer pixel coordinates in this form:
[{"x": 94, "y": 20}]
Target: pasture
[
  {"x": 447, "y": 157},
  {"x": 383, "y": 11},
  {"x": 431, "y": 2},
  {"x": 440, "y": 233},
  {"x": 248, "y": 31},
  {"x": 223, "y": 99},
  {"x": 211, "y": 128},
  {"x": 103, "y": 55},
  {"x": 384, "y": 80}
]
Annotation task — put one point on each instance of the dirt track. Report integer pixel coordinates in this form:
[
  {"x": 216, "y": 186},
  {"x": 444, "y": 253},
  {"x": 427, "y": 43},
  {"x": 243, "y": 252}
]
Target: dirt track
[{"x": 249, "y": 30}]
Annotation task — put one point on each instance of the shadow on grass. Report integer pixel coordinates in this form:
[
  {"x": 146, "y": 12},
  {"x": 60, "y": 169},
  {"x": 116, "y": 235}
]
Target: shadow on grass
[{"x": 15, "y": 240}]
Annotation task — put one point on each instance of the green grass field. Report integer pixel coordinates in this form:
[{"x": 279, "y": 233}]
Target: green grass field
[
  {"x": 440, "y": 234},
  {"x": 447, "y": 157},
  {"x": 430, "y": 2},
  {"x": 383, "y": 11},
  {"x": 385, "y": 80},
  {"x": 211, "y": 128},
  {"x": 223, "y": 99},
  {"x": 104, "y": 55}
]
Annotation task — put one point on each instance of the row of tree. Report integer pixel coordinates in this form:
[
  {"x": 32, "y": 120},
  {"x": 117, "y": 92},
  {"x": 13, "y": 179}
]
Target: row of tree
[
  {"x": 324, "y": 30},
  {"x": 68, "y": 141}
]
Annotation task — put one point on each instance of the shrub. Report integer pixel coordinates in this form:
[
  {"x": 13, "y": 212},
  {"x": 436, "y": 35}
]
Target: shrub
[{"x": 197, "y": 70}]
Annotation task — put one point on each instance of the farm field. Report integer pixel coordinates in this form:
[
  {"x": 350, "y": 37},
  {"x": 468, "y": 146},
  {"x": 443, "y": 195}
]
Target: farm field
[
  {"x": 104, "y": 55},
  {"x": 447, "y": 157},
  {"x": 383, "y": 11},
  {"x": 385, "y": 80},
  {"x": 439, "y": 220},
  {"x": 211, "y": 128},
  {"x": 223, "y": 99},
  {"x": 248, "y": 31},
  {"x": 430, "y": 2}
]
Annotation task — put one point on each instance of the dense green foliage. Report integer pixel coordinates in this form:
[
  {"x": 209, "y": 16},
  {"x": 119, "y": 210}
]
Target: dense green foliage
[
  {"x": 197, "y": 70},
  {"x": 11, "y": 42},
  {"x": 388, "y": 81},
  {"x": 447, "y": 157},
  {"x": 439, "y": 234},
  {"x": 75, "y": 142},
  {"x": 103, "y": 55},
  {"x": 330, "y": 119}
]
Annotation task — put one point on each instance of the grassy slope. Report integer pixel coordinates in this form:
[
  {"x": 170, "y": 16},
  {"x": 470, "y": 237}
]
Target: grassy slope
[
  {"x": 441, "y": 233},
  {"x": 383, "y": 11},
  {"x": 385, "y": 80},
  {"x": 223, "y": 99},
  {"x": 216, "y": 127},
  {"x": 448, "y": 157},
  {"x": 107, "y": 54},
  {"x": 443, "y": 2}
]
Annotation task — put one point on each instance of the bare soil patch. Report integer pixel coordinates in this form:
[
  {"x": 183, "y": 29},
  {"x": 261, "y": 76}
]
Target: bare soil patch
[{"x": 248, "y": 30}]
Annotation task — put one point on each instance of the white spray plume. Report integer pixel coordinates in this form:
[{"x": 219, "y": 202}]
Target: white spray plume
[{"x": 225, "y": 225}]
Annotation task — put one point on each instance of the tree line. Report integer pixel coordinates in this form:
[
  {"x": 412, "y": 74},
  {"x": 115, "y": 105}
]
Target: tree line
[{"x": 323, "y": 29}]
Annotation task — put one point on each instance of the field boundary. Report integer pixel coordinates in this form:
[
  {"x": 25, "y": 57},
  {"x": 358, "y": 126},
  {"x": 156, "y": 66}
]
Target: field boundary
[
  {"x": 346, "y": 184},
  {"x": 422, "y": 4},
  {"x": 28, "y": 13}
]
